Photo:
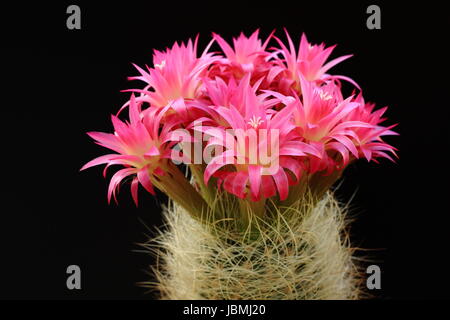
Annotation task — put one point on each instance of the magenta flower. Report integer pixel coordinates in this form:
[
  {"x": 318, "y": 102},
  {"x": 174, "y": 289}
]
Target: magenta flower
[
  {"x": 248, "y": 56},
  {"x": 309, "y": 62},
  {"x": 176, "y": 76},
  {"x": 271, "y": 115},
  {"x": 221, "y": 94},
  {"x": 140, "y": 145},
  {"x": 318, "y": 118},
  {"x": 368, "y": 138},
  {"x": 260, "y": 153}
]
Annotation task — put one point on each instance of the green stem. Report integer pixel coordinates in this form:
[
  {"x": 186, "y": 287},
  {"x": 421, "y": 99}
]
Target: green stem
[
  {"x": 297, "y": 192},
  {"x": 208, "y": 193},
  {"x": 176, "y": 186},
  {"x": 319, "y": 184}
]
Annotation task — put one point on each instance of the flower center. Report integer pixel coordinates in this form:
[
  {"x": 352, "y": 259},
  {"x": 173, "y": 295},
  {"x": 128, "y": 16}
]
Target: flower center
[
  {"x": 254, "y": 122},
  {"x": 325, "y": 95}
]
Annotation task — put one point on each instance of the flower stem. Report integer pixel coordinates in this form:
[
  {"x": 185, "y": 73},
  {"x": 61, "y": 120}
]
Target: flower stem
[{"x": 176, "y": 186}]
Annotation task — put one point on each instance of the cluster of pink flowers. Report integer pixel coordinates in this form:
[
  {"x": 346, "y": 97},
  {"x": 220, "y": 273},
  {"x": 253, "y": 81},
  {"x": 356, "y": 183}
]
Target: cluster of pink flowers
[{"x": 246, "y": 87}]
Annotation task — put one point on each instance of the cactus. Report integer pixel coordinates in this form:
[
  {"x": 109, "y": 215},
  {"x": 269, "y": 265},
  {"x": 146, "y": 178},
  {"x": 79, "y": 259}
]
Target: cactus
[
  {"x": 264, "y": 132},
  {"x": 300, "y": 252}
]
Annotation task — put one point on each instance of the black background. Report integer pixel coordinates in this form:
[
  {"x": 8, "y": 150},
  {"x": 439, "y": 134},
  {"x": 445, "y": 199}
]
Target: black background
[{"x": 58, "y": 84}]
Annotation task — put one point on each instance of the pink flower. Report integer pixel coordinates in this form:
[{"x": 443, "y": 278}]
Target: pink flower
[
  {"x": 319, "y": 120},
  {"x": 141, "y": 147},
  {"x": 248, "y": 55},
  {"x": 309, "y": 62},
  {"x": 368, "y": 139},
  {"x": 221, "y": 94},
  {"x": 176, "y": 76},
  {"x": 271, "y": 116},
  {"x": 260, "y": 154}
]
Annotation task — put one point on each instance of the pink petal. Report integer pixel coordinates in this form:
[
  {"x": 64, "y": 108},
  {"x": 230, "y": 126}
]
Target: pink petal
[
  {"x": 115, "y": 181},
  {"x": 347, "y": 143},
  {"x": 154, "y": 151},
  {"x": 106, "y": 140},
  {"x": 240, "y": 184},
  {"x": 254, "y": 173},
  {"x": 144, "y": 179},
  {"x": 334, "y": 62},
  {"x": 282, "y": 183},
  {"x": 292, "y": 165},
  {"x": 268, "y": 188},
  {"x": 341, "y": 149},
  {"x": 97, "y": 161},
  {"x": 133, "y": 111},
  {"x": 134, "y": 190},
  {"x": 218, "y": 162}
]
